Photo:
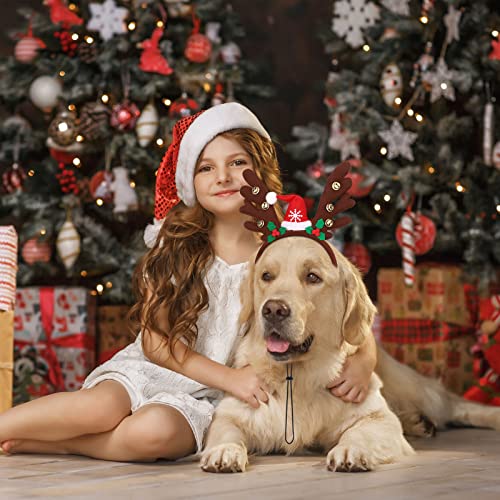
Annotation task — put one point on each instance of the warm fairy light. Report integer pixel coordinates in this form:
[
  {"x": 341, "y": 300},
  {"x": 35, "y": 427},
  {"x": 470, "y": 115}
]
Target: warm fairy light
[
  {"x": 75, "y": 37},
  {"x": 109, "y": 284},
  {"x": 459, "y": 187},
  {"x": 131, "y": 26},
  {"x": 444, "y": 86},
  {"x": 383, "y": 150},
  {"x": 424, "y": 19},
  {"x": 159, "y": 141},
  {"x": 80, "y": 138},
  {"x": 387, "y": 197},
  {"x": 99, "y": 288},
  {"x": 72, "y": 6},
  {"x": 31, "y": 173},
  {"x": 144, "y": 5},
  {"x": 77, "y": 162},
  {"x": 366, "y": 47},
  {"x": 105, "y": 98},
  {"x": 93, "y": 293},
  {"x": 431, "y": 169},
  {"x": 167, "y": 102},
  {"x": 132, "y": 184},
  {"x": 71, "y": 107},
  {"x": 62, "y": 73},
  {"x": 377, "y": 208},
  {"x": 498, "y": 208},
  {"x": 419, "y": 117},
  {"x": 494, "y": 33},
  {"x": 410, "y": 112},
  {"x": 207, "y": 87},
  {"x": 160, "y": 24},
  {"x": 99, "y": 202},
  {"x": 43, "y": 232},
  {"x": 89, "y": 39},
  {"x": 398, "y": 101},
  {"x": 62, "y": 127},
  {"x": 83, "y": 273}
]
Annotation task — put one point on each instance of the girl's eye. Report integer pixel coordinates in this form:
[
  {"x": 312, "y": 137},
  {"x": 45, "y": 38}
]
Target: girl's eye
[
  {"x": 204, "y": 168},
  {"x": 239, "y": 162},
  {"x": 313, "y": 278}
]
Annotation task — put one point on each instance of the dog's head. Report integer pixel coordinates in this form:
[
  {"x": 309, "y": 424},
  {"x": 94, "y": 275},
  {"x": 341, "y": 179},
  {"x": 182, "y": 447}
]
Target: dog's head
[{"x": 296, "y": 302}]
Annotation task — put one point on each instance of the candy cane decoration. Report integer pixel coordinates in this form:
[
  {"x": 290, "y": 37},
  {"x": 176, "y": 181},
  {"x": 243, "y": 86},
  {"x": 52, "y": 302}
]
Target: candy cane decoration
[{"x": 408, "y": 246}]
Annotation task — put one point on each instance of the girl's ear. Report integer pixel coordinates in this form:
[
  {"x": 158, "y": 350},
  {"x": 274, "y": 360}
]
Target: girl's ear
[{"x": 247, "y": 300}]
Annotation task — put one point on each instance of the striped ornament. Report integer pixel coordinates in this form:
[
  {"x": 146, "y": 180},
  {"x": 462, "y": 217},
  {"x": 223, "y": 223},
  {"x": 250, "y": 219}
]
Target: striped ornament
[
  {"x": 147, "y": 125},
  {"x": 68, "y": 244},
  {"x": 26, "y": 49},
  {"x": 198, "y": 48},
  {"x": 408, "y": 247},
  {"x": 36, "y": 251},
  {"x": 8, "y": 267}
]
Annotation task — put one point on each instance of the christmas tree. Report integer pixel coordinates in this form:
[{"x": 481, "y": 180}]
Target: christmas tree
[
  {"x": 411, "y": 98},
  {"x": 89, "y": 100}
]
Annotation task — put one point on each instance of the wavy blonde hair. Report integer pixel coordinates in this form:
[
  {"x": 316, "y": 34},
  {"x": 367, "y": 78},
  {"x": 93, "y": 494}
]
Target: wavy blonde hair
[{"x": 169, "y": 278}]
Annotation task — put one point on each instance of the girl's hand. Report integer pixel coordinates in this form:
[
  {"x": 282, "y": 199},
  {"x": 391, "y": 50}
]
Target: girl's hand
[
  {"x": 247, "y": 387},
  {"x": 352, "y": 384}
]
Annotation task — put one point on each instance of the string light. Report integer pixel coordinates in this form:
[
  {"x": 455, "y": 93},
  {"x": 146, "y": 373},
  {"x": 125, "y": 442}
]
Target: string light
[
  {"x": 366, "y": 47},
  {"x": 89, "y": 39},
  {"x": 43, "y": 232},
  {"x": 80, "y": 138},
  {"x": 77, "y": 162},
  {"x": 31, "y": 173},
  {"x": 83, "y": 273},
  {"x": 444, "y": 86},
  {"x": 498, "y": 208},
  {"x": 387, "y": 197},
  {"x": 167, "y": 102},
  {"x": 207, "y": 87},
  {"x": 132, "y": 184},
  {"x": 160, "y": 24},
  {"x": 93, "y": 293},
  {"x": 459, "y": 187},
  {"x": 109, "y": 284},
  {"x": 430, "y": 169},
  {"x": 99, "y": 289},
  {"x": 72, "y": 6},
  {"x": 99, "y": 202},
  {"x": 62, "y": 73},
  {"x": 71, "y": 107},
  {"x": 410, "y": 112},
  {"x": 383, "y": 150},
  {"x": 419, "y": 117},
  {"x": 105, "y": 98},
  {"x": 398, "y": 101},
  {"x": 75, "y": 37},
  {"x": 494, "y": 33},
  {"x": 424, "y": 19},
  {"x": 159, "y": 141},
  {"x": 377, "y": 208},
  {"x": 131, "y": 26},
  {"x": 62, "y": 127}
]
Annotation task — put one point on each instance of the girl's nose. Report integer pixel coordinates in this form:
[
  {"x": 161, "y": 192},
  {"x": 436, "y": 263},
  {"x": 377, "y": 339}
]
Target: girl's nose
[{"x": 223, "y": 175}]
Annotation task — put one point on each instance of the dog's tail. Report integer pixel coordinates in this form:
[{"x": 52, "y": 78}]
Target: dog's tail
[{"x": 423, "y": 404}]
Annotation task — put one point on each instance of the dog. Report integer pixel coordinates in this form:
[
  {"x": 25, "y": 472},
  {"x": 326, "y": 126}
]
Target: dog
[{"x": 299, "y": 309}]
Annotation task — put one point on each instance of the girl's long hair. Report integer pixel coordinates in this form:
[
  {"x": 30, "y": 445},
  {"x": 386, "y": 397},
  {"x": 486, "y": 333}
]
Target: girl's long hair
[{"x": 168, "y": 280}]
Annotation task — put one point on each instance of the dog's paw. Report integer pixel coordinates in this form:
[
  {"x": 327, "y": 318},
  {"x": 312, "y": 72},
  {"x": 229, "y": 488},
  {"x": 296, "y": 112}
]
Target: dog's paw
[
  {"x": 418, "y": 425},
  {"x": 228, "y": 457},
  {"x": 349, "y": 459}
]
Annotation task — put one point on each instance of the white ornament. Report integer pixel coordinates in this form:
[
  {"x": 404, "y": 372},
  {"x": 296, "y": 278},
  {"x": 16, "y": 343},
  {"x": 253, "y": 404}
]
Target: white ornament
[
  {"x": 125, "y": 197},
  {"x": 351, "y": 17},
  {"x": 495, "y": 155},
  {"x": 488, "y": 120},
  {"x": 107, "y": 19},
  {"x": 452, "y": 20},
  {"x": 68, "y": 244},
  {"x": 391, "y": 84},
  {"x": 212, "y": 31},
  {"x": 440, "y": 80},
  {"x": 230, "y": 53},
  {"x": 398, "y": 141},
  {"x": 45, "y": 91},
  {"x": 343, "y": 140},
  {"x": 147, "y": 125},
  {"x": 400, "y": 7}
]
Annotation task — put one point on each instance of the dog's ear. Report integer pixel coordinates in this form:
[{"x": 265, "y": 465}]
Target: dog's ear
[
  {"x": 359, "y": 311},
  {"x": 247, "y": 300}
]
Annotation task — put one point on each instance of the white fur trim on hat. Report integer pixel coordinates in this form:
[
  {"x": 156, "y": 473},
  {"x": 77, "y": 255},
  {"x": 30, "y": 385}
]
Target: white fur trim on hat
[
  {"x": 296, "y": 226},
  {"x": 210, "y": 123},
  {"x": 151, "y": 232}
]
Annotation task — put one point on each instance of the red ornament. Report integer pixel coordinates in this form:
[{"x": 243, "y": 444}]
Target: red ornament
[
  {"x": 495, "y": 50},
  {"x": 100, "y": 186},
  {"x": 59, "y": 13},
  {"x": 198, "y": 48},
  {"x": 124, "y": 116},
  {"x": 27, "y": 49},
  {"x": 68, "y": 45},
  {"x": 36, "y": 251},
  {"x": 361, "y": 186},
  {"x": 424, "y": 233},
  {"x": 359, "y": 255},
  {"x": 152, "y": 60},
  {"x": 182, "y": 107},
  {"x": 13, "y": 179}
]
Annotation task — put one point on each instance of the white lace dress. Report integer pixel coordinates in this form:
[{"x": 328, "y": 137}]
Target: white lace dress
[{"x": 148, "y": 383}]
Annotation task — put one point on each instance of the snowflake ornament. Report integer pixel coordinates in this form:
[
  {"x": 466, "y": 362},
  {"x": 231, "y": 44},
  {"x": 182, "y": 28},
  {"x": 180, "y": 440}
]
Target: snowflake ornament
[
  {"x": 343, "y": 140},
  {"x": 107, "y": 19},
  {"x": 351, "y": 17},
  {"x": 400, "y": 7},
  {"x": 398, "y": 141},
  {"x": 452, "y": 20},
  {"x": 295, "y": 215},
  {"x": 440, "y": 81}
]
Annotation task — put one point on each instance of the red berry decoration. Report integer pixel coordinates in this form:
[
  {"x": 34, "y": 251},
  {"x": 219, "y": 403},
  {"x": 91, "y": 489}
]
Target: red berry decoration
[
  {"x": 36, "y": 251},
  {"x": 13, "y": 179},
  {"x": 182, "y": 107},
  {"x": 67, "y": 179},
  {"x": 198, "y": 48},
  {"x": 124, "y": 116},
  {"x": 359, "y": 255},
  {"x": 68, "y": 45},
  {"x": 425, "y": 234}
]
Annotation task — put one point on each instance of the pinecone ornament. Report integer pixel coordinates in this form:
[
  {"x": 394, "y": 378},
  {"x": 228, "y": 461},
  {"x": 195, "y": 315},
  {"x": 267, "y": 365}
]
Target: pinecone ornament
[
  {"x": 94, "y": 120},
  {"x": 87, "y": 52}
]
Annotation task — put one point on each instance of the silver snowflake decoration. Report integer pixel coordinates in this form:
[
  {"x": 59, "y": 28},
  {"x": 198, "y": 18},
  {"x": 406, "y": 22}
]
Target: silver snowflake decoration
[
  {"x": 398, "y": 141},
  {"x": 351, "y": 17},
  {"x": 343, "y": 140},
  {"x": 400, "y": 7},
  {"x": 295, "y": 215},
  {"x": 440, "y": 80},
  {"x": 107, "y": 19},
  {"x": 452, "y": 20}
]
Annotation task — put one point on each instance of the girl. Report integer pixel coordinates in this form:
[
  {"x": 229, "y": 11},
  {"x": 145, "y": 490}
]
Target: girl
[{"x": 155, "y": 398}]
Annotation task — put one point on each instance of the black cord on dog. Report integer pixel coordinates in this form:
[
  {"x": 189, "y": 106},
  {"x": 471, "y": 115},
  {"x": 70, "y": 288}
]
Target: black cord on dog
[{"x": 289, "y": 391}]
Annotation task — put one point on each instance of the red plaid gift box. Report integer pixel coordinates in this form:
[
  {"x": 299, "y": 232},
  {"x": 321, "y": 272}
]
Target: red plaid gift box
[
  {"x": 54, "y": 340},
  {"x": 433, "y": 348}
]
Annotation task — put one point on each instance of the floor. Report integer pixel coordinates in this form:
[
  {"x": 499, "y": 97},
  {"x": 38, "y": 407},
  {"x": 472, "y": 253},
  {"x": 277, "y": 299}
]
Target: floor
[{"x": 458, "y": 464}]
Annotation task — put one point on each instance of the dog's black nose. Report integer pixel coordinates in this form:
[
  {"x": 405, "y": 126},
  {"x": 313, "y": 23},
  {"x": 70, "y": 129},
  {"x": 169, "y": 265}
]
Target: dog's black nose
[{"x": 275, "y": 310}]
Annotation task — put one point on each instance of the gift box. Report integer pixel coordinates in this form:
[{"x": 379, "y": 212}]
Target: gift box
[
  {"x": 8, "y": 271},
  {"x": 433, "y": 348},
  {"x": 439, "y": 294},
  {"x": 54, "y": 340},
  {"x": 113, "y": 331}
]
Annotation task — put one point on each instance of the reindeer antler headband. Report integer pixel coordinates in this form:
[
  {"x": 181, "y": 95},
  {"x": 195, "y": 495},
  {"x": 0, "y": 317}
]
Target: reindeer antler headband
[{"x": 259, "y": 203}]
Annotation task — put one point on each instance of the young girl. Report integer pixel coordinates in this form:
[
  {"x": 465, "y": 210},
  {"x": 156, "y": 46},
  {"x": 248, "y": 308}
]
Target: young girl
[{"x": 155, "y": 399}]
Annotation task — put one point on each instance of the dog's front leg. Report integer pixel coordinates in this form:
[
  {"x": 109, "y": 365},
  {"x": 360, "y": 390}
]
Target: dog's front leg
[{"x": 225, "y": 449}]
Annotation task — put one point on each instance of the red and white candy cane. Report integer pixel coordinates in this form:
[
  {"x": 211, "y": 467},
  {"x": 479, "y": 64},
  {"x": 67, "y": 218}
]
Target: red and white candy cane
[{"x": 408, "y": 247}]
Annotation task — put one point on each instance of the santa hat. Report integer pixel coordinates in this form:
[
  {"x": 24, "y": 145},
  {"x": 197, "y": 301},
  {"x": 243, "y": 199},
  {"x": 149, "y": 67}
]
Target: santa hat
[
  {"x": 296, "y": 214},
  {"x": 174, "y": 180}
]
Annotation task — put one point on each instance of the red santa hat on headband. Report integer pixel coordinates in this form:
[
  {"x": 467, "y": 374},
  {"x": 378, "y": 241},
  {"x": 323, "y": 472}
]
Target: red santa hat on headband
[{"x": 174, "y": 180}]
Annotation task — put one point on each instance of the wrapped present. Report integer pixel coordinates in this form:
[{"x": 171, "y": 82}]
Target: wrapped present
[
  {"x": 434, "y": 348},
  {"x": 439, "y": 294},
  {"x": 54, "y": 340},
  {"x": 8, "y": 267},
  {"x": 112, "y": 330},
  {"x": 6, "y": 361}
]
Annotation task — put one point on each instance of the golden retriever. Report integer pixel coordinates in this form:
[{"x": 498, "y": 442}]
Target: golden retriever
[{"x": 294, "y": 297}]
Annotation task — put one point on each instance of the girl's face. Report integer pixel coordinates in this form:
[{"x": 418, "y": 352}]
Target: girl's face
[{"x": 218, "y": 176}]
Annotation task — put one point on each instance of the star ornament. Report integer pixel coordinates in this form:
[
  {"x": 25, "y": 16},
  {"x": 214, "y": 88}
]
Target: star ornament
[
  {"x": 398, "y": 141},
  {"x": 440, "y": 81},
  {"x": 452, "y": 20},
  {"x": 495, "y": 50},
  {"x": 108, "y": 19}
]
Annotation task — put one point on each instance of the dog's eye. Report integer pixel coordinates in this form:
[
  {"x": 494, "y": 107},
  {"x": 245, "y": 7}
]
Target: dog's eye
[
  {"x": 313, "y": 278},
  {"x": 266, "y": 276}
]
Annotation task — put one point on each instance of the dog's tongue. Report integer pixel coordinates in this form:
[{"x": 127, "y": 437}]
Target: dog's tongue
[{"x": 277, "y": 344}]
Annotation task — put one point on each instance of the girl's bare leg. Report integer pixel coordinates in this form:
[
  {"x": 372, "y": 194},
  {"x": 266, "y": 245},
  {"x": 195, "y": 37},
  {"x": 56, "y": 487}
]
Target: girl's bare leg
[
  {"x": 67, "y": 414},
  {"x": 155, "y": 431}
]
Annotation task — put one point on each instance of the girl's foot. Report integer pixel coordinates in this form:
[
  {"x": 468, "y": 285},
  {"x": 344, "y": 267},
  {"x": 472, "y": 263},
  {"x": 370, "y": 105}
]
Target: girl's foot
[{"x": 13, "y": 446}]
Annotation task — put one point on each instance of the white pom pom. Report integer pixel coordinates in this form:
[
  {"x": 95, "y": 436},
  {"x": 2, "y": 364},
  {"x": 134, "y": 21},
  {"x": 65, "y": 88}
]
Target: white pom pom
[
  {"x": 271, "y": 197},
  {"x": 151, "y": 232}
]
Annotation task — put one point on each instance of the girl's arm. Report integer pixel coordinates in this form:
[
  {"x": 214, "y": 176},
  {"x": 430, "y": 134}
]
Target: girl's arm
[{"x": 352, "y": 384}]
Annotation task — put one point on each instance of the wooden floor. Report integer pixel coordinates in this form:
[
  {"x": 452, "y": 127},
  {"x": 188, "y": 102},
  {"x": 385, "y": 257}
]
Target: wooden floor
[{"x": 458, "y": 464}]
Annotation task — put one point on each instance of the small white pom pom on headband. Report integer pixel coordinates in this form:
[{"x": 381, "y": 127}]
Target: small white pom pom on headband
[{"x": 174, "y": 181}]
